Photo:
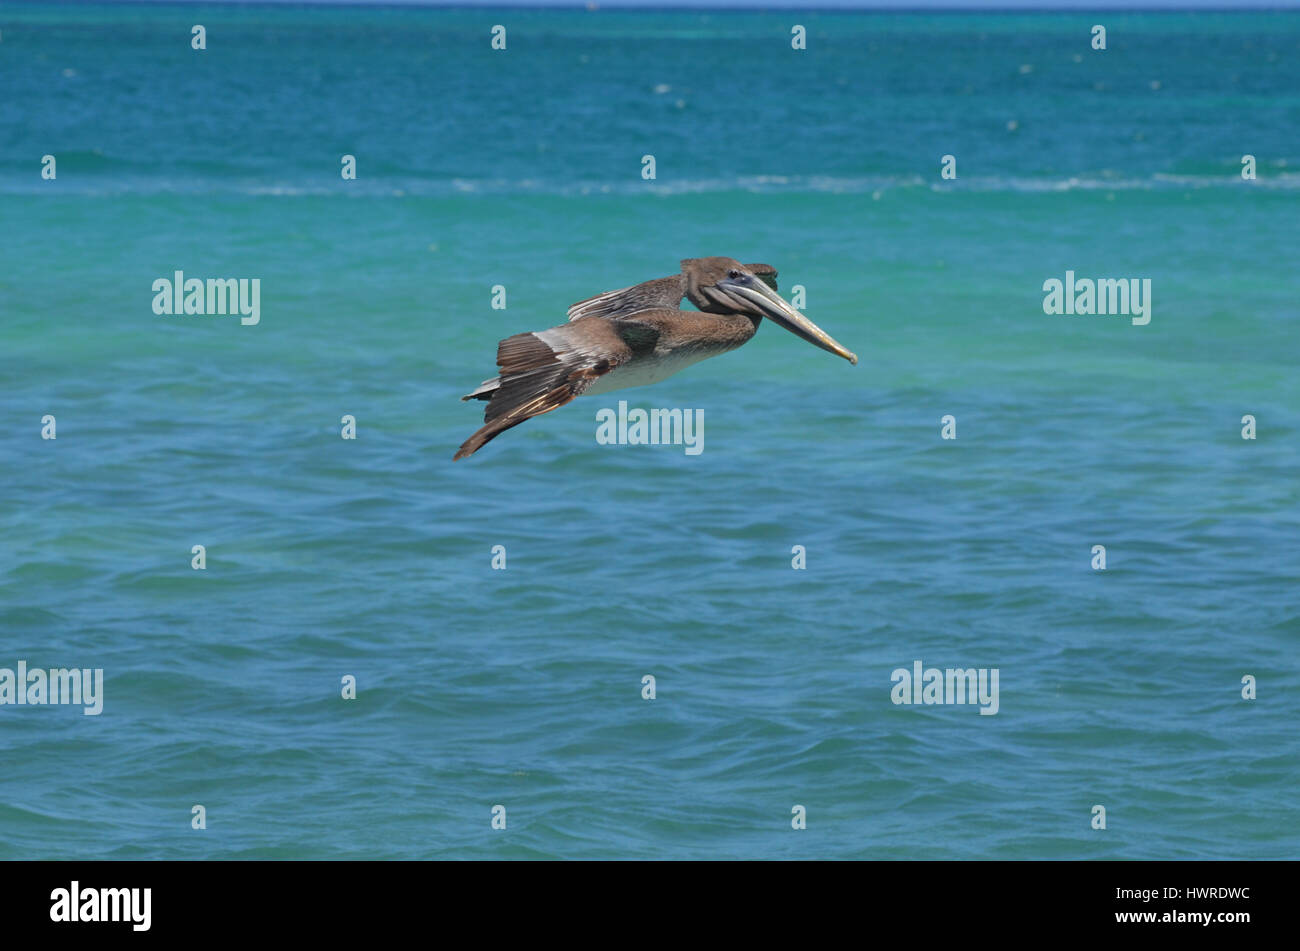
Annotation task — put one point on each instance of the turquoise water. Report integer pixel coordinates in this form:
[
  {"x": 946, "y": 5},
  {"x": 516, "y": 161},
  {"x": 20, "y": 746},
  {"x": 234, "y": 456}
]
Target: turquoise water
[{"x": 373, "y": 557}]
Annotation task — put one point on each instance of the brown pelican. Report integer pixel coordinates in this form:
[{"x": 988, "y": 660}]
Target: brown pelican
[{"x": 635, "y": 336}]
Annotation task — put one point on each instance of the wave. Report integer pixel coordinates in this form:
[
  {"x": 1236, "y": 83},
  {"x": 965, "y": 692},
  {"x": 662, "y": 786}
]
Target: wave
[{"x": 106, "y": 183}]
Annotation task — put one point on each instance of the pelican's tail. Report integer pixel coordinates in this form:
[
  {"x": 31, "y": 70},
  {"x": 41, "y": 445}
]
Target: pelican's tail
[
  {"x": 484, "y": 391},
  {"x": 542, "y": 371},
  {"x": 533, "y": 380},
  {"x": 485, "y": 435}
]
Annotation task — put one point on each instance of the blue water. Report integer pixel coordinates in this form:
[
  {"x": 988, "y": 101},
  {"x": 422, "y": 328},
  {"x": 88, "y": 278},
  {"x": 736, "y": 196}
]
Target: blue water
[{"x": 522, "y": 687}]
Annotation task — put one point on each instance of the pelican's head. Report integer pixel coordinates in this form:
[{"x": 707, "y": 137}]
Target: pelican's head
[{"x": 725, "y": 286}]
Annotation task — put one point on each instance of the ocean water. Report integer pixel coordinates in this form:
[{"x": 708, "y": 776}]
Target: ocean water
[{"x": 522, "y": 687}]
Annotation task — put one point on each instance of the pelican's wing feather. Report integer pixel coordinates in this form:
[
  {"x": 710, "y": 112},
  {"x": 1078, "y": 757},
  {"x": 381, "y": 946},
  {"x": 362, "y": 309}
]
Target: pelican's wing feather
[
  {"x": 542, "y": 371},
  {"x": 664, "y": 292}
]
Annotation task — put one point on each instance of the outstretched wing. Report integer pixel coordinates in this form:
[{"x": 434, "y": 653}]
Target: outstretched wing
[
  {"x": 663, "y": 292},
  {"x": 542, "y": 371}
]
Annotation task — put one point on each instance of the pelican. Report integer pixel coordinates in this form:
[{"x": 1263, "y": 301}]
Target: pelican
[{"x": 635, "y": 336}]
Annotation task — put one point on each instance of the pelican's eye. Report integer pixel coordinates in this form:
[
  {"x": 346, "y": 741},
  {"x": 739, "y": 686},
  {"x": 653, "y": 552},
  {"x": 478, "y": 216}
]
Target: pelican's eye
[{"x": 734, "y": 275}]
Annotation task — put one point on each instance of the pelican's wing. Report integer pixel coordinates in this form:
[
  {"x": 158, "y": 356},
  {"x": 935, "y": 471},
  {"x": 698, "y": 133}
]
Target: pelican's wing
[
  {"x": 665, "y": 292},
  {"x": 542, "y": 371},
  {"x": 765, "y": 273}
]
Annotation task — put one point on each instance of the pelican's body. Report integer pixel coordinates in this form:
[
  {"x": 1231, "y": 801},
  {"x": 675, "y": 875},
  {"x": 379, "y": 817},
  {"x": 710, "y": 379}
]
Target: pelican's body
[
  {"x": 684, "y": 337},
  {"x": 634, "y": 337}
]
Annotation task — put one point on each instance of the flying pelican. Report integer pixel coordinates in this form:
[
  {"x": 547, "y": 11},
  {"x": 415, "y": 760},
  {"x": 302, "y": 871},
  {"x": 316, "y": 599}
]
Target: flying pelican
[{"x": 635, "y": 336}]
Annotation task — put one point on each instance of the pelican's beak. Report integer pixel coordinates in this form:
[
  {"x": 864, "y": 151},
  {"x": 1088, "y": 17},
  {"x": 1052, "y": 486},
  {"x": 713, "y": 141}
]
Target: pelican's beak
[{"x": 770, "y": 304}]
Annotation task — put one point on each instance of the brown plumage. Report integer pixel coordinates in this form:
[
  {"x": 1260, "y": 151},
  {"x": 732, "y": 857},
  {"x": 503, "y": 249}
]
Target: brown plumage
[
  {"x": 538, "y": 376},
  {"x": 663, "y": 292},
  {"x": 638, "y": 331}
]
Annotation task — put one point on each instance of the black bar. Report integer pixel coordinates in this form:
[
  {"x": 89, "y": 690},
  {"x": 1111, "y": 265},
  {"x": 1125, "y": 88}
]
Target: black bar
[{"x": 950, "y": 901}]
